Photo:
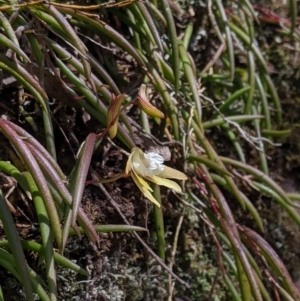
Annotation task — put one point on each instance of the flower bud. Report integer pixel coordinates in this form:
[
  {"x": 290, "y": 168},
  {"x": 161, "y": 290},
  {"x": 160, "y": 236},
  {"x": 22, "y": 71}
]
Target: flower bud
[
  {"x": 113, "y": 114},
  {"x": 145, "y": 104}
]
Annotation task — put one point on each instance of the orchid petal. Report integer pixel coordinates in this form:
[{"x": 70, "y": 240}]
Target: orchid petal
[
  {"x": 143, "y": 189},
  {"x": 137, "y": 164},
  {"x": 140, "y": 157},
  {"x": 171, "y": 173},
  {"x": 142, "y": 181},
  {"x": 164, "y": 182},
  {"x": 128, "y": 164}
]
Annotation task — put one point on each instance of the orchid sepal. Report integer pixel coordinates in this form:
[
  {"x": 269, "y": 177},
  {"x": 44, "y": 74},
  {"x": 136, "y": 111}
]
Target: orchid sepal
[
  {"x": 165, "y": 182},
  {"x": 143, "y": 189}
]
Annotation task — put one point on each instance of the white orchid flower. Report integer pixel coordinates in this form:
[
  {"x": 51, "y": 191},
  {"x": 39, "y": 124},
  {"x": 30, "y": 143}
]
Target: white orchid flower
[{"x": 150, "y": 166}]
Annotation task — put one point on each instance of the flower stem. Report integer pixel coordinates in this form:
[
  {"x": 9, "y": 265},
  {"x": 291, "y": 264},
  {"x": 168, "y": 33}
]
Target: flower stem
[{"x": 157, "y": 211}]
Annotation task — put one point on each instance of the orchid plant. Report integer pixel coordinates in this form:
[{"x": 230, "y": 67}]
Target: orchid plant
[{"x": 62, "y": 70}]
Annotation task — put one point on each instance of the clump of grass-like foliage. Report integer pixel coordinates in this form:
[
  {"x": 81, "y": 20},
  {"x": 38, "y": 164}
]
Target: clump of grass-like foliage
[{"x": 71, "y": 53}]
